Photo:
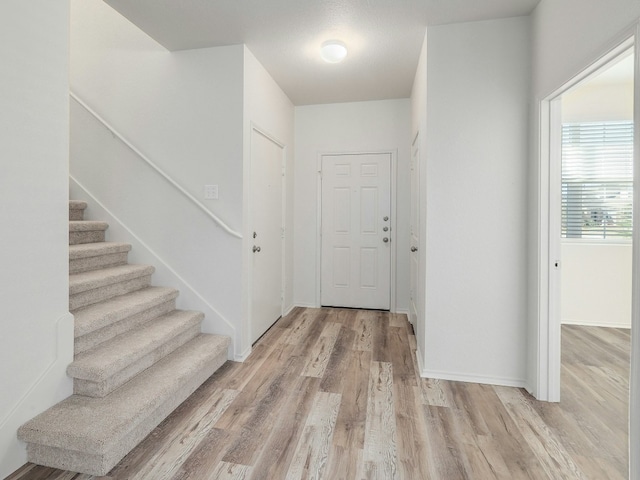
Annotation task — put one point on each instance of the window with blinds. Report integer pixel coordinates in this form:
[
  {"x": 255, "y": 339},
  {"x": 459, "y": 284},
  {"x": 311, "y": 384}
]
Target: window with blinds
[{"x": 597, "y": 180}]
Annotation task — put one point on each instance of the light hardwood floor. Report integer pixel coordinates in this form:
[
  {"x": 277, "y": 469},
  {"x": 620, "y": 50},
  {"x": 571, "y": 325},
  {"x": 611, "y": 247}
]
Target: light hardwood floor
[{"x": 334, "y": 394}]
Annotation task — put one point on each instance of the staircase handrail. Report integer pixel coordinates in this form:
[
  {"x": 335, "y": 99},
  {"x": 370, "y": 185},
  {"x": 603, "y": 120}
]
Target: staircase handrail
[{"x": 132, "y": 147}]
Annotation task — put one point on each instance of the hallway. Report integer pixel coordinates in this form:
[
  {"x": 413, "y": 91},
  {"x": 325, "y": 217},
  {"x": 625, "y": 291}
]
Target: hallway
[{"x": 335, "y": 394}]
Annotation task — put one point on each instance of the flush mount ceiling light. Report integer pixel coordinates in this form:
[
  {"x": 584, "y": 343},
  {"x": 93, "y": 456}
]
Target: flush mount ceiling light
[{"x": 333, "y": 51}]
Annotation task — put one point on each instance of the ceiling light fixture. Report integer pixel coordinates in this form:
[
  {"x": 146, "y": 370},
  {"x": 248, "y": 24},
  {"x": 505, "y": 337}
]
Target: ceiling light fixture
[{"x": 333, "y": 51}]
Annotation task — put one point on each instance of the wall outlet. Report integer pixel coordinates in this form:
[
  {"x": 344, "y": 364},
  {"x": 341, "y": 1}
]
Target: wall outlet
[{"x": 211, "y": 192}]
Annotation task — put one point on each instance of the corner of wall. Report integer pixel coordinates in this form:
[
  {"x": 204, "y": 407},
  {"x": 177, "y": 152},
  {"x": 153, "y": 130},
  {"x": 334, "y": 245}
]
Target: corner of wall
[{"x": 52, "y": 386}]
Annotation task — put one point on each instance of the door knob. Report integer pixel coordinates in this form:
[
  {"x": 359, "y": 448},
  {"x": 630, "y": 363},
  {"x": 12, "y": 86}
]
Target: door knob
[
  {"x": 414, "y": 249},
  {"x": 256, "y": 249},
  {"x": 385, "y": 218},
  {"x": 385, "y": 229},
  {"x": 385, "y": 240}
]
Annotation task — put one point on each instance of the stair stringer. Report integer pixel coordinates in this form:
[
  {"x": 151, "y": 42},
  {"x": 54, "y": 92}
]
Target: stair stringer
[{"x": 189, "y": 298}]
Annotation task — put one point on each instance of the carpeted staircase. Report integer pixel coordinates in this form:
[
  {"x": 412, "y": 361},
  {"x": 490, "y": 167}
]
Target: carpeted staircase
[{"x": 136, "y": 357}]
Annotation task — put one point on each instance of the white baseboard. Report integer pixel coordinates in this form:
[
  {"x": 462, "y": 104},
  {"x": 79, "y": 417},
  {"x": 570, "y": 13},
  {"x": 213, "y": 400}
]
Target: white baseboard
[
  {"x": 420, "y": 366},
  {"x": 305, "y": 305},
  {"x": 471, "y": 378},
  {"x": 52, "y": 386},
  {"x": 597, "y": 324},
  {"x": 288, "y": 310},
  {"x": 243, "y": 356}
]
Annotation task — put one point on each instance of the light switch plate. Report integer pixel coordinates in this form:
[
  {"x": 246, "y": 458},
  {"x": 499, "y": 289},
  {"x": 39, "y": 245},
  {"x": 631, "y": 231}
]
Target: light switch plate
[{"x": 211, "y": 192}]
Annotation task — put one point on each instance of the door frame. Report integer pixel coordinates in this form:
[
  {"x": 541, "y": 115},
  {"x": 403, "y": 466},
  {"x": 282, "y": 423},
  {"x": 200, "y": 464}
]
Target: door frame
[
  {"x": 393, "y": 153},
  {"x": 415, "y": 146},
  {"x": 256, "y": 130}
]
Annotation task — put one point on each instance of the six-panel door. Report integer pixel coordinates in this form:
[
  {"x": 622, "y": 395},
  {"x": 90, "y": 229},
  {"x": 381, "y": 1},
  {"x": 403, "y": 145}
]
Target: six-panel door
[{"x": 356, "y": 231}]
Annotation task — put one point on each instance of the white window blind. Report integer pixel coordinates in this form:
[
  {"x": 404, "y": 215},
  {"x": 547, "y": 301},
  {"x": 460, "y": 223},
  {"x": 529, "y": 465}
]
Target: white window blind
[{"x": 597, "y": 180}]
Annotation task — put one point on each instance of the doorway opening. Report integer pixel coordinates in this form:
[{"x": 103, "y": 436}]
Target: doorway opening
[
  {"x": 596, "y": 230},
  {"x": 582, "y": 202},
  {"x": 551, "y": 218},
  {"x": 547, "y": 382}
]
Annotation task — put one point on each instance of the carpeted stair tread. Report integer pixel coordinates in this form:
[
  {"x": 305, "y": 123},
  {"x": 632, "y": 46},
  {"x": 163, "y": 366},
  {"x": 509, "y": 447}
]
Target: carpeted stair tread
[
  {"x": 102, "y": 362},
  {"x": 92, "y": 434},
  {"x": 86, "y": 250},
  {"x": 81, "y": 282},
  {"x": 100, "y": 315},
  {"x": 87, "y": 226}
]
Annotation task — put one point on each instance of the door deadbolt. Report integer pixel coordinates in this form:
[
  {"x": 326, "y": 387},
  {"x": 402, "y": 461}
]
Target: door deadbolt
[
  {"x": 256, "y": 249},
  {"x": 386, "y": 218},
  {"x": 414, "y": 249},
  {"x": 385, "y": 240},
  {"x": 385, "y": 229}
]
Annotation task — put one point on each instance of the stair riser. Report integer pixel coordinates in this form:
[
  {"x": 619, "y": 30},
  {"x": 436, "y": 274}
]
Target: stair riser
[
  {"x": 76, "y": 209},
  {"x": 66, "y": 459},
  {"x": 101, "y": 261},
  {"x": 90, "y": 236},
  {"x": 90, "y": 340},
  {"x": 99, "y": 294},
  {"x": 102, "y": 389},
  {"x": 101, "y": 464},
  {"x": 76, "y": 214}
]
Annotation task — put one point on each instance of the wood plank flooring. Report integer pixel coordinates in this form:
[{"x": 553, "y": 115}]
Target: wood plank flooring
[{"x": 334, "y": 394}]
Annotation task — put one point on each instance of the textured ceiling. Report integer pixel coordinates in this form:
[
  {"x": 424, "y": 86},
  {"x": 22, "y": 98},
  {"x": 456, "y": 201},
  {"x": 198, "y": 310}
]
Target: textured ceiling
[{"x": 384, "y": 37}]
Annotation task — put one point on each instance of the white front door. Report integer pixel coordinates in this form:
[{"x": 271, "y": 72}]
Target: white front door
[
  {"x": 266, "y": 209},
  {"x": 414, "y": 232},
  {"x": 356, "y": 231}
]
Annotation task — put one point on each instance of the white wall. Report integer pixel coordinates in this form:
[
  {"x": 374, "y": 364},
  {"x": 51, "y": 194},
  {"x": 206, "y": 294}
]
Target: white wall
[
  {"x": 341, "y": 128},
  {"x": 596, "y": 276},
  {"x": 477, "y": 88},
  {"x": 184, "y": 111},
  {"x": 36, "y": 339},
  {"x": 599, "y": 103},
  {"x": 269, "y": 109},
  {"x": 596, "y": 284},
  {"x": 565, "y": 42}
]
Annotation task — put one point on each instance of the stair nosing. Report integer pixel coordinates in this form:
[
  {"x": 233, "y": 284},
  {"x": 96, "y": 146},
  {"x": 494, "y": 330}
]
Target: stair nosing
[
  {"x": 87, "y": 225},
  {"x": 96, "y": 249}
]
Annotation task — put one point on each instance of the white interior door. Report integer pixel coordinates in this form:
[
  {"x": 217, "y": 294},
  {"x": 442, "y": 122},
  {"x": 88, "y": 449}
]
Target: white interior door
[
  {"x": 356, "y": 231},
  {"x": 266, "y": 208},
  {"x": 414, "y": 231}
]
